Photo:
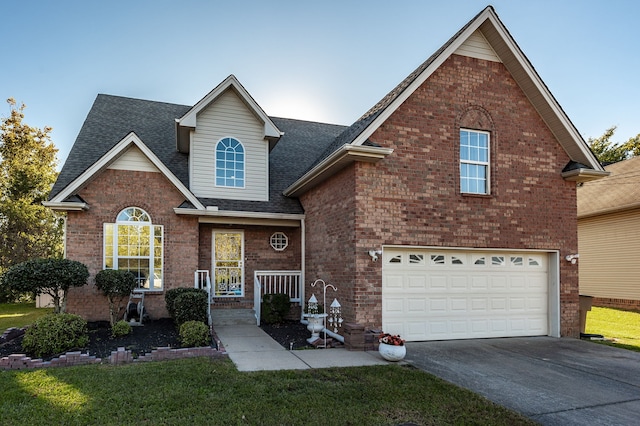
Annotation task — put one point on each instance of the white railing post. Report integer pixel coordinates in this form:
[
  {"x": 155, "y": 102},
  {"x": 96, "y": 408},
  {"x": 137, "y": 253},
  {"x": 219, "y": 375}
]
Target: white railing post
[{"x": 202, "y": 281}]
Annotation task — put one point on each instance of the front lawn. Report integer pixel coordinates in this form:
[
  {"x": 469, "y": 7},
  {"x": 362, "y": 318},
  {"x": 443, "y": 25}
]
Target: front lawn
[
  {"x": 20, "y": 314},
  {"x": 202, "y": 391},
  {"x": 623, "y": 326}
]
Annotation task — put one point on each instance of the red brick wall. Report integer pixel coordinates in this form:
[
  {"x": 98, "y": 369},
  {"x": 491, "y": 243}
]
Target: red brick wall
[
  {"x": 330, "y": 239},
  {"x": 258, "y": 256},
  {"x": 108, "y": 194},
  {"x": 412, "y": 197},
  {"x": 626, "y": 304}
]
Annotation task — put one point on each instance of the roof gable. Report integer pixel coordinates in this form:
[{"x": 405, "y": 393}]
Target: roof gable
[
  {"x": 487, "y": 28},
  {"x": 111, "y": 157},
  {"x": 189, "y": 120}
]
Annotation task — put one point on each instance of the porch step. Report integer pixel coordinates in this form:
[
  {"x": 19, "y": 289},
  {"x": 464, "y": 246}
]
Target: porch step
[{"x": 233, "y": 316}]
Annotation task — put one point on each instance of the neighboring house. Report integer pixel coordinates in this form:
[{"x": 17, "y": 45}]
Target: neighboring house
[
  {"x": 444, "y": 212},
  {"x": 609, "y": 237}
]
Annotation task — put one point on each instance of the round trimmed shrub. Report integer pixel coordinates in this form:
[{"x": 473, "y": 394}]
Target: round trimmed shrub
[
  {"x": 121, "y": 328},
  {"x": 55, "y": 333},
  {"x": 274, "y": 308},
  {"x": 194, "y": 334},
  {"x": 170, "y": 298},
  {"x": 191, "y": 306}
]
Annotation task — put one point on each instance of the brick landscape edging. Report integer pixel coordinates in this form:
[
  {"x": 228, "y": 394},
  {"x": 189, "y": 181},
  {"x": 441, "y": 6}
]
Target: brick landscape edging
[{"x": 117, "y": 357}]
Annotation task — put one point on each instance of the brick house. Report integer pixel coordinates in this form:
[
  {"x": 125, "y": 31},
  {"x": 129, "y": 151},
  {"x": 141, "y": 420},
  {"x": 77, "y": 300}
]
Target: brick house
[{"x": 445, "y": 212}]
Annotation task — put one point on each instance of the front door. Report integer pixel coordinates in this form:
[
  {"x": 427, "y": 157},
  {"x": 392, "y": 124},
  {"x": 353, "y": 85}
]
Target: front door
[{"x": 228, "y": 265}]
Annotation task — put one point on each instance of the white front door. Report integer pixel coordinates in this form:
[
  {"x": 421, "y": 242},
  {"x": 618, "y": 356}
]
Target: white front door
[{"x": 228, "y": 265}]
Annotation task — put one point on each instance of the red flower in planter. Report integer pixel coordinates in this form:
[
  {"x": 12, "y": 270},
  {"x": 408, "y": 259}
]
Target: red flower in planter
[{"x": 391, "y": 339}]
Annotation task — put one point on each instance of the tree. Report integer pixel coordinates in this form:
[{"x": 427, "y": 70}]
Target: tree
[
  {"x": 28, "y": 161},
  {"x": 47, "y": 276},
  {"x": 117, "y": 285},
  {"x": 609, "y": 152}
]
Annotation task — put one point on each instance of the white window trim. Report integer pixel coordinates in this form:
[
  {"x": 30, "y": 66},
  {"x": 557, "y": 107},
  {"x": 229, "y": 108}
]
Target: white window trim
[
  {"x": 280, "y": 236},
  {"x": 481, "y": 163},
  {"x": 151, "y": 248}
]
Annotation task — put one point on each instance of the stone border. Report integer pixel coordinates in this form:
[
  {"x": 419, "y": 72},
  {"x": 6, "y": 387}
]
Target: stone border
[{"x": 117, "y": 357}]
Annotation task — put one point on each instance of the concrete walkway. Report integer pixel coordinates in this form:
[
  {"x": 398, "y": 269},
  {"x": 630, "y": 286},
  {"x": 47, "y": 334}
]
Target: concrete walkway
[{"x": 251, "y": 349}]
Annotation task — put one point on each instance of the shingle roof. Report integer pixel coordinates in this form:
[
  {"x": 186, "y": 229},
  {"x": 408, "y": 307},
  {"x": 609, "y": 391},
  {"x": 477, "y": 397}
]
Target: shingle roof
[
  {"x": 618, "y": 191},
  {"x": 353, "y": 131},
  {"x": 111, "y": 118}
]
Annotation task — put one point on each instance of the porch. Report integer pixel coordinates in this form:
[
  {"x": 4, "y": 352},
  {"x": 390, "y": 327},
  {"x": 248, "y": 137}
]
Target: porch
[{"x": 245, "y": 312}]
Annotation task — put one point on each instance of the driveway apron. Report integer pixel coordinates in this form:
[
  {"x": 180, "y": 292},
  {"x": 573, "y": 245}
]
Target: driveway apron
[{"x": 552, "y": 381}]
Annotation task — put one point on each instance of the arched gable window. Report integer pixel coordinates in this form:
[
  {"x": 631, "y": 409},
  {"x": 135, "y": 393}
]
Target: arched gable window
[
  {"x": 230, "y": 163},
  {"x": 133, "y": 243}
]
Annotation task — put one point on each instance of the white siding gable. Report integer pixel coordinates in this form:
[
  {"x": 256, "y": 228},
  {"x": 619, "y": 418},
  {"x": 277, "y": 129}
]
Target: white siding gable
[
  {"x": 477, "y": 46},
  {"x": 228, "y": 116},
  {"x": 133, "y": 159}
]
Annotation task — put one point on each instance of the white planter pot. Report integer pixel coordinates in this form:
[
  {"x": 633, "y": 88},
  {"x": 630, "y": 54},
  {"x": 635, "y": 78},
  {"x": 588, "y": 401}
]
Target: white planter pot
[
  {"x": 315, "y": 326},
  {"x": 392, "y": 352}
]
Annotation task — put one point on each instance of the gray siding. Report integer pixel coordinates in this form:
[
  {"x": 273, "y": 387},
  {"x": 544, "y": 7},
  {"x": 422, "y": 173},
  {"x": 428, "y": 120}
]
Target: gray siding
[{"x": 228, "y": 116}]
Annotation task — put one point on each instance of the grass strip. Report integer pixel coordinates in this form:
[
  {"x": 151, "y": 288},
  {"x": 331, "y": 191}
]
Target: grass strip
[{"x": 203, "y": 391}]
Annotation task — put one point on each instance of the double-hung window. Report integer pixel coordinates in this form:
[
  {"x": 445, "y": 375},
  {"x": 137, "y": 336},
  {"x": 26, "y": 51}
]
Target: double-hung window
[
  {"x": 133, "y": 243},
  {"x": 474, "y": 162}
]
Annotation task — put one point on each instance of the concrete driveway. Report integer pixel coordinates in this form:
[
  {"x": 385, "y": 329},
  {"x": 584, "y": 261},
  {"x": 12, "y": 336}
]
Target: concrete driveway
[{"x": 552, "y": 381}]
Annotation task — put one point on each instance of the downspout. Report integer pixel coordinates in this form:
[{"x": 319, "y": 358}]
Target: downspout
[{"x": 303, "y": 244}]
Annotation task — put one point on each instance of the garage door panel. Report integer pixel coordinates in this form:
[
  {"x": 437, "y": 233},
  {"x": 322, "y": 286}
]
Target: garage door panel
[
  {"x": 417, "y": 305},
  {"x": 458, "y": 304},
  {"x": 455, "y": 294},
  {"x": 416, "y": 282},
  {"x": 437, "y": 282}
]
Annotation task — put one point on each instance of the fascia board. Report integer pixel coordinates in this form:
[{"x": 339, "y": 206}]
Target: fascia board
[
  {"x": 408, "y": 91},
  {"x": 617, "y": 209},
  {"x": 584, "y": 175},
  {"x": 66, "y": 206},
  {"x": 544, "y": 92},
  {"x": 112, "y": 155},
  {"x": 342, "y": 157},
  {"x": 189, "y": 119},
  {"x": 226, "y": 214},
  {"x": 490, "y": 16}
]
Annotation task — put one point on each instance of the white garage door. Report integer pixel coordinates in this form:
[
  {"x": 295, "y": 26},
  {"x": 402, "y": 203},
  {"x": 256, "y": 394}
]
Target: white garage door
[{"x": 455, "y": 294}]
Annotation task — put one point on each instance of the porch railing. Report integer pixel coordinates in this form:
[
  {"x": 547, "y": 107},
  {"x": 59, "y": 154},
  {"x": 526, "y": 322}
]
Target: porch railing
[
  {"x": 267, "y": 282},
  {"x": 202, "y": 280}
]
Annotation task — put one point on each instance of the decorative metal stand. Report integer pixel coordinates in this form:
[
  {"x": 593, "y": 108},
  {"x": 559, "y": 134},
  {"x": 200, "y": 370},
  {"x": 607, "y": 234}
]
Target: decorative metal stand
[{"x": 335, "y": 317}]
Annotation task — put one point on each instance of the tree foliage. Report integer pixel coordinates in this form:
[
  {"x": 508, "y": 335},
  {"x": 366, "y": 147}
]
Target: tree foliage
[
  {"x": 117, "y": 285},
  {"x": 28, "y": 161},
  {"x": 609, "y": 152},
  {"x": 47, "y": 276}
]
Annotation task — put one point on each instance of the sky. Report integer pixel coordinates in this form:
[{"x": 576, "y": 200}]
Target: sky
[{"x": 326, "y": 61}]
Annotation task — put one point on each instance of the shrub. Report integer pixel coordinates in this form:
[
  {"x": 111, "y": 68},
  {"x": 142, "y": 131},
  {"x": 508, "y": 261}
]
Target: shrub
[
  {"x": 170, "y": 297},
  {"x": 46, "y": 276},
  {"x": 55, "y": 333},
  {"x": 191, "y": 306},
  {"x": 121, "y": 328},
  {"x": 117, "y": 285},
  {"x": 194, "y": 334},
  {"x": 274, "y": 308}
]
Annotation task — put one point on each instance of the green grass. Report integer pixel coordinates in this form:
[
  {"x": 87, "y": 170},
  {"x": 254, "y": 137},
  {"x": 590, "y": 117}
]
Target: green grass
[
  {"x": 19, "y": 314},
  {"x": 622, "y": 326},
  {"x": 212, "y": 392}
]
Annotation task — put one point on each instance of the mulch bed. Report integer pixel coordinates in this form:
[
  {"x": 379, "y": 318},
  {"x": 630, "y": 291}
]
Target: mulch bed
[
  {"x": 161, "y": 333},
  {"x": 290, "y": 334}
]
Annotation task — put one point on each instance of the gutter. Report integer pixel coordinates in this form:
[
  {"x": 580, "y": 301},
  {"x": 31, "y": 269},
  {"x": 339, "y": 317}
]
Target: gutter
[{"x": 338, "y": 160}]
